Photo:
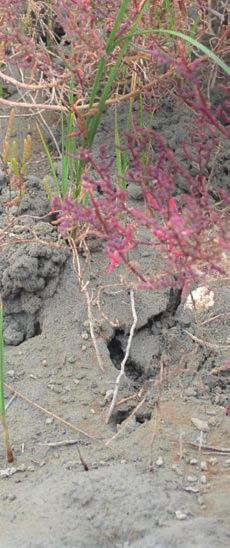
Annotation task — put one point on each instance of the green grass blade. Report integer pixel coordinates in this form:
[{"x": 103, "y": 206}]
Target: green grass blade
[
  {"x": 120, "y": 16},
  {"x": 217, "y": 60},
  {"x": 50, "y": 161},
  {"x": 118, "y": 159},
  {"x": 109, "y": 48},
  {"x": 2, "y": 405},
  {"x": 9, "y": 452},
  {"x": 97, "y": 80},
  {"x": 95, "y": 121}
]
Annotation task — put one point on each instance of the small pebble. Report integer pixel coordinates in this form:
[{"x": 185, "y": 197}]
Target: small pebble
[
  {"x": 193, "y": 461},
  {"x": 200, "y": 425},
  {"x": 44, "y": 363},
  {"x": 176, "y": 468},
  {"x": 192, "y": 479},
  {"x": 31, "y": 468},
  {"x": 203, "y": 465},
  {"x": 203, "y": 479},
  {"x": 11, "y": 372},
  {"x": 200, "y": 500},
  {"x": 190, "y": 391},
  {"x": 191, "y": 489},
  {"x": 83, "y": 347},
  {"x": 49, "y": 420},
  {"x": 180, "y": 515},
  {"x": 84, "y": 336},
  {"x": 212, "y": 421},
  {"x": 213, "y": 461},
  {"x": 71, "y": 358},
  {"x": 159, "y": 461},
  {"x": 11, "y": 497},
  {"x": 109, "y": 395}
]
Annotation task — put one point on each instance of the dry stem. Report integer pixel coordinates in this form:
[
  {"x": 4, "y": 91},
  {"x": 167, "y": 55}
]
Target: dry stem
[
  {"x": 53, "y": 415},
  {"x": 84, "y": 288},
  {"x": 122, "y": 370},
  {"x": 125, "y": 423}
]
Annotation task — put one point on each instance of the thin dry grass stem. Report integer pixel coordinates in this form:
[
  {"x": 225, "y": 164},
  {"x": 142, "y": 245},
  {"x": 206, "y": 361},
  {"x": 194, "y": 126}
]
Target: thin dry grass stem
[
  {"x": 206, "y": 343},
  {"x": 181, "y": 446},
  {"x": 8, "y": 237},
  {"x": 213, "y": 318},
  {"x": 44, "y": 410},
  {"x": 137, "y": 397},
  {"x": 154, "y": 433},
  {"x": 126, "y": 422},
  {"x": 113, "y": 323},
  {"x": 32, "y": 87},
  {"x": 62, "y": 443},
  {"x": 129, "y": 398},
  {"x": 209, "y": 448},
  {"x": 84, "y": 288},
  {"x": 41, "y": 106},
  {"x": 85, "y": 108},
  {"x": 123, "y": 363},
  {"x": 12, "y": 239},
  {"x": 8, "y": 404},
  {"x": 221, "y": 369}
]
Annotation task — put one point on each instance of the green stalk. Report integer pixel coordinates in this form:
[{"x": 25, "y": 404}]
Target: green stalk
[
  {"x": 93, "y": 123},
  {"x": 9, "y": 451},
  {"x": 217, "y": 60},
  {"x": 111, "y": 44},
  {"x": 50, "y": 161}
]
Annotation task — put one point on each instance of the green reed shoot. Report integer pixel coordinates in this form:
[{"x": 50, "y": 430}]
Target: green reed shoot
[{"x": 9, "y": 452}]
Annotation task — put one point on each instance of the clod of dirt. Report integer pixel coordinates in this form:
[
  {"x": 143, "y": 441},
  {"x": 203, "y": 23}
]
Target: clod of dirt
[{"x": 30, "y": 267}]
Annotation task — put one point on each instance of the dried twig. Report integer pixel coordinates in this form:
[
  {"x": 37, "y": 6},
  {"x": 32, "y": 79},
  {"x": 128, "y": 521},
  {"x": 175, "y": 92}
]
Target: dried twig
[
  {"x": 205, "y": 343},
  {"x": 122, "y": 370},
  {"x": 154, "y": 432},
  {"x": 53, "y": 415},
  {"x": 84, "y": 288},
  {"x": 126, "y": 422},
  {"x": 32, "y": 87},
  {"x": 63, "y": 443},
  {"x": 10, "y": 401},
  {"x": 209, "y": 448},
  {"x": 221, "y": 369}
]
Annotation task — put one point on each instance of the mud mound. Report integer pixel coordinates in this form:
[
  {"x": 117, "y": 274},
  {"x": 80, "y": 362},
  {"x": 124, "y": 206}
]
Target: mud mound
[{"x": 31, "y": 263}]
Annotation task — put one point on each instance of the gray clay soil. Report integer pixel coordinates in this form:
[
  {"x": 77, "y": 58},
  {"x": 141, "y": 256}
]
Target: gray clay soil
[{"x": 150, "y": 486}]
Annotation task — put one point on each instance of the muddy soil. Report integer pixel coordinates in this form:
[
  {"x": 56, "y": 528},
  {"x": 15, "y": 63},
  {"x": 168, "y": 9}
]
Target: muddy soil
[{"x": 145, "y": 479}]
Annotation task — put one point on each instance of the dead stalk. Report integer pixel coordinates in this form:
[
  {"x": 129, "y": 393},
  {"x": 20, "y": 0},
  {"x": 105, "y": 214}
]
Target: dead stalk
[
  {"x": 53, "y": 415},
  {"x": 123, "y": 363},
  {"x": 32, "y": 87},
  {"x": 125, "y": 423},
  {"x": 10, "y": 401},
  {"x": 63, "y": 443},
  {"x": 209, "y": 448},
  {"x": 154, "y": 433},
  {"x": 205, "y": 343},
  {"x": 84, "y": 288}
]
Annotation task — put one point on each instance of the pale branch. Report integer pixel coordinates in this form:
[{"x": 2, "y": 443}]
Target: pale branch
[{"x": 123, "y": 363}]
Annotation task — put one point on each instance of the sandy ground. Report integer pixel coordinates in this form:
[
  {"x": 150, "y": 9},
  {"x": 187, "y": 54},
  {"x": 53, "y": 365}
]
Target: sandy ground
[{"x": 151, "y": 486}]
